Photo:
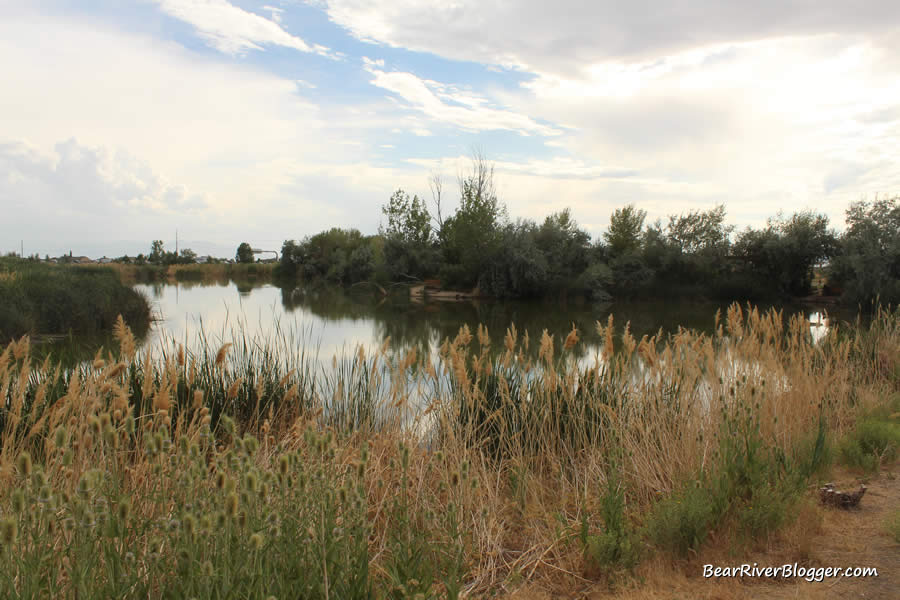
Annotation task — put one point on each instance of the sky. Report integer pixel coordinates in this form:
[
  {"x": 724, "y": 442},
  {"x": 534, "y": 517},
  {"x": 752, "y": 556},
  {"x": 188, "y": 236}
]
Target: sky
[{"x": 124, "y": 121}]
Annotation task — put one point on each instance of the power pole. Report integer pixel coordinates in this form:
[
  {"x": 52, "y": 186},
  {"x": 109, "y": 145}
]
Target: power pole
[{"x": 176, "y": 243}]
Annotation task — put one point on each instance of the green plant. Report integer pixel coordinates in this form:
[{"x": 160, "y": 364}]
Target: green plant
[
  {"x": 871, "y": 443},
  {"x": 680, "y": 522},
  {"x": 618, "y": 544}
]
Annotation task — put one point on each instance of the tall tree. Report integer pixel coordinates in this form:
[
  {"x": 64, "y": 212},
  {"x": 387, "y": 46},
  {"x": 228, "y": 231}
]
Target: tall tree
[
  {"x": 625, "y": 227},
  {"x": 244, "y": 253}
]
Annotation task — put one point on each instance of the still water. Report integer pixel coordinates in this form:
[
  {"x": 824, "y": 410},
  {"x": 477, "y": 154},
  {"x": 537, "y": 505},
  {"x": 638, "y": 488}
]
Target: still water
[{"x": 334, "y": 322}]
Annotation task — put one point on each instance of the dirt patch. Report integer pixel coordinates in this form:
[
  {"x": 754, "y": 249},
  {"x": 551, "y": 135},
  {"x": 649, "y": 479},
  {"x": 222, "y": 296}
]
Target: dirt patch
[{"x": 822, "y": 536}]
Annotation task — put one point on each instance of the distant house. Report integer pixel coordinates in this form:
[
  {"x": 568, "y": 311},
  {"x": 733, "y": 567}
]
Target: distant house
[
  {"x": 82, "y": 260},
  {"x": 104, "y": 260}
]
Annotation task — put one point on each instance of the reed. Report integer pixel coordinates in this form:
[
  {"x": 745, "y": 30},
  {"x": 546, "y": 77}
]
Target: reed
[{"x": 253, "y": 469}]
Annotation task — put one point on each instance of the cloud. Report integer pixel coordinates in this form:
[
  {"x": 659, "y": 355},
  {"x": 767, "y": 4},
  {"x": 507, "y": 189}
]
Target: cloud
[
  {"x": 563, "y": 37},
  {"x": 445, "y": 104},
  {"x": 233, "y": 30}
]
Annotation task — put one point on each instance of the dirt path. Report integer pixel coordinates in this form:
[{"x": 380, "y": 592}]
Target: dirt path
[
  {"x": 832, "y": 537},
  {"x": 854, "y": 538}
]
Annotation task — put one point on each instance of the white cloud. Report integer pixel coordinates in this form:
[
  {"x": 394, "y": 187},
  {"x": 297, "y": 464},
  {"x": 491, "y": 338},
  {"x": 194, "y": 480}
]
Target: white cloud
[
  {"x": 431, "y": 98},
  {"x": 275, "y": 12},
  {"x": 163, "y": 127},
  {"x": 563, "y": 37},
  {"x": 233, "y": 30}
]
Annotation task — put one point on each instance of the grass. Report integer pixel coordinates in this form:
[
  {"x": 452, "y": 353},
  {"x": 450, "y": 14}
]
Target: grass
[
  {"x": 893, "y": 526},
  {"x": 206, "y": 273},
  {"x": 44, "y": 299},
  {"x": 241, "y": 471},
  {"x": 874, "y": 440}
]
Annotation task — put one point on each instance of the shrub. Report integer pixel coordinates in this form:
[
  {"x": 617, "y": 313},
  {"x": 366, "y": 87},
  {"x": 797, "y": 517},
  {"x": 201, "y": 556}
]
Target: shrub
[
  {"x": 680, "y": 522},
  {"x": 870, "y": 444}
]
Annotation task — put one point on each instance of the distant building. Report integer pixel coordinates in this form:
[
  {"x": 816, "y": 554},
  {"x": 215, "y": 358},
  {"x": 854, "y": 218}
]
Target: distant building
[{"x": 104, "y": 260}]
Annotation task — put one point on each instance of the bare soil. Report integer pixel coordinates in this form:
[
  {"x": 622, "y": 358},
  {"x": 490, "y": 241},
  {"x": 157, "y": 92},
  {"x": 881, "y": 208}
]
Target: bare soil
[{"x": 821, "y": 536}]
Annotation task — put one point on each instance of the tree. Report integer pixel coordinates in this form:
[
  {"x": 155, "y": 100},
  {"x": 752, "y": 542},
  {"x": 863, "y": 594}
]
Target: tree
[
  {"x": 625, "y": 227},
  {"x": 470, "y": 237},
  {"x": 700, "y": 231},
  {"x": 782, "y": 255},
  {"x": 156, "y": 252},
  {"x": 408, "y": 220},
  {"x": 244, "y": 253},
  {"x": 868, "y": 261},
  {"x": 187, "y": 257}
]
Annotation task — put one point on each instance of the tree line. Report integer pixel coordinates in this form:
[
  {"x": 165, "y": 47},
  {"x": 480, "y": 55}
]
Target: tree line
[{"x": 695, "y": 253}]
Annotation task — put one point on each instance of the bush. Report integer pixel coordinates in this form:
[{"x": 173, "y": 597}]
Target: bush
[
  {"x": 680, "y": 522},
  {"x": 870, "y": 444},
  {"x": 618, "y": 544}
]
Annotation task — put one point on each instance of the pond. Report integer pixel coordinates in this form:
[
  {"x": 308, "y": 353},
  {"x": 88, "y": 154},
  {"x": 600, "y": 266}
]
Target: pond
[{"x": 333, "y": 322}]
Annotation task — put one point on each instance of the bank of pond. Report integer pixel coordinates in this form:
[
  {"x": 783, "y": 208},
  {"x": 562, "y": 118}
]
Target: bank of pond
[{"x": 232, "y": 472}]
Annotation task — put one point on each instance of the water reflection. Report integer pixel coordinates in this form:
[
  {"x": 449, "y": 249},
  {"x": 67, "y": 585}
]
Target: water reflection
[{"x": 337, "y": 321}]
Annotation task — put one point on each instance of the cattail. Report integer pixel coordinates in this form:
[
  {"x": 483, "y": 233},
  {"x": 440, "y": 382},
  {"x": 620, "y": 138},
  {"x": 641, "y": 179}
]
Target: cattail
[
  {"x": 251, "y": 481},
  {"x": 198, "y": 399},
  {"x": 220, "y": 480},
  {"x": 180, "y": 356}
]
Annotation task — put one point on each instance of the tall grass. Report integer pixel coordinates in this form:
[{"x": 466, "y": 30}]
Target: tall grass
[
  {"x": 44, "y": 299},
  {"x": 249, "y": 469}
]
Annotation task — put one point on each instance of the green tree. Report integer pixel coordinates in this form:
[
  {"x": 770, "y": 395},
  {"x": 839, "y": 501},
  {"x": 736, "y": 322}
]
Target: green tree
[
  {"x": 156, "y": 252},
  {"x": 625, "y": 227},
  {"x": 781, "y": 256},
  {"x": 408, "y": 219},
  {"x": 244, "y": 253},
  {"x": 409, "y": 249},
  {"x": 471, "y": 236},
  {"x": 868, "y": 262},
  {"x": 187, "y": 257},
  {"x": 700, "y": 231}
]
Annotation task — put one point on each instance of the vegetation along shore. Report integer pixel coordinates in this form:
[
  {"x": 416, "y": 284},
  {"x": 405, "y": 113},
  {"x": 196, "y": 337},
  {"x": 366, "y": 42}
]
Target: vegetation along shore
[{"x": 235, "y": 472}]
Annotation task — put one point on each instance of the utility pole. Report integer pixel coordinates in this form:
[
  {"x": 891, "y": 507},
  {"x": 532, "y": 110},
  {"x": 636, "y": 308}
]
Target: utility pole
[
  {"x": 21, "y": 248},
  {"x": 176, "y": 243}
]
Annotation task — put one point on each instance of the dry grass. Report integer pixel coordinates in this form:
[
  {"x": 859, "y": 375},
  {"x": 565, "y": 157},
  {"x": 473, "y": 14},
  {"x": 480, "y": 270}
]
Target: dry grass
[{"x": 498, "y": 474}]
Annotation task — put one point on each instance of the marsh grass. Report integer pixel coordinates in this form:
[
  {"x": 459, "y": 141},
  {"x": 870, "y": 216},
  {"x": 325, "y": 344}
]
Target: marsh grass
[
  {"x": 248, "y": 469},
  {"x": 46, "y": 299}
]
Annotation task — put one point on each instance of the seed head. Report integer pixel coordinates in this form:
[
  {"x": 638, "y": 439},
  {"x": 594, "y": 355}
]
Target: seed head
[
  {"x": 9, "y": 532},
  {"x": 189, "y": 525},
  {"x": 18, "y": 501},
  {"x": 256, "y": 541},
  {"x": 231, "y": 505},
  {"x": 24, "y": 464}
]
